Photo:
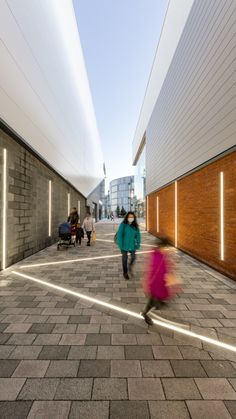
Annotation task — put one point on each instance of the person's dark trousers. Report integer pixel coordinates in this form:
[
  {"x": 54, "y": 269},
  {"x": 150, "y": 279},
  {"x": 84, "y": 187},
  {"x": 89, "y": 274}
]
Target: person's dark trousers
[
  {"x": 89, "y": 237},
  {"x": 152, "y": 302},
  {"x": 79, "y": 238},
  {"x": 125, "y": 260}
]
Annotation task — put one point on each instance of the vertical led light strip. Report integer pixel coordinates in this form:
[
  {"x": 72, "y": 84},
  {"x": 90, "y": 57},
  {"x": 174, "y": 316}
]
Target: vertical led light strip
[
  {"x": 222, "y": 215},
  {"x": 49, "y": 208},
  {"x": 147, "y": 214},
  {"x": 79, "y": 209},
  {"x": 4, "y": 213},
  {"x": 176, "y": 214},
  {"x": 68, "y": 203},
  {"x": 158, "y": 227}
]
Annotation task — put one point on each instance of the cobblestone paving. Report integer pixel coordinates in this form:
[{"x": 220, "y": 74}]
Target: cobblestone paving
[{"x": 64, "y": 357}]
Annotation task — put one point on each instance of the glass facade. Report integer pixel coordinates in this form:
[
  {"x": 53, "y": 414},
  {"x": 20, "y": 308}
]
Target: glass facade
[
  {"x": 122, "y": 191},
  {"x": 140, "y": 185}
]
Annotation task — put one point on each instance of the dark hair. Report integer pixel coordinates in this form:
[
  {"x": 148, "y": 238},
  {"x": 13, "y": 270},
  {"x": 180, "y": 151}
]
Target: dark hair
[{"x": 134, "y": 223}]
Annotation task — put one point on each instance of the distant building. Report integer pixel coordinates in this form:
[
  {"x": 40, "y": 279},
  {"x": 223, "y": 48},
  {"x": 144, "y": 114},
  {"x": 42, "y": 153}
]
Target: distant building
[{"x": 122, "y": 194}]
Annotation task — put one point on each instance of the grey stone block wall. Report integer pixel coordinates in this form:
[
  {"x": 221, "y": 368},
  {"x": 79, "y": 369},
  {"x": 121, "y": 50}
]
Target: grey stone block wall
[{"x": 28, "y": 201}]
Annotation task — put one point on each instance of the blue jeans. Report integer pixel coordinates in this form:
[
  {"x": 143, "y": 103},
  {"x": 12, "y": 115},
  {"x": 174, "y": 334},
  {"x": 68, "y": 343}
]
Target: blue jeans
[{"x": 125, "y": 260}]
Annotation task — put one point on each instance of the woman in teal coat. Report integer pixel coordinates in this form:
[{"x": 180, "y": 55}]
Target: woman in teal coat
[{"x": 128, "y": 240}]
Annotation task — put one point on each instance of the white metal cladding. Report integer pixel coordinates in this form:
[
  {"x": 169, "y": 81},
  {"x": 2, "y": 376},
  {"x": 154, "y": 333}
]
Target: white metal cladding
[
  {"x": 44, "y": 90},
  {"x": 175, "y": 19},
  {"x": 194, "y": 118}
]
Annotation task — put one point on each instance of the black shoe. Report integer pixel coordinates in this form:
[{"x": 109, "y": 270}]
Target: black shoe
[
  {"x": 88, "y": 244},
  {"x": 126, "y": 276},
  {"x": 147, "y": 319}
]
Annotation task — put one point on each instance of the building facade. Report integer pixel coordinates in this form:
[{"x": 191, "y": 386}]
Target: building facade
[
  {"x": 189, "y": 132},
  {"x": 122, "y": 194},
  {"x": 50, "y": 150}
]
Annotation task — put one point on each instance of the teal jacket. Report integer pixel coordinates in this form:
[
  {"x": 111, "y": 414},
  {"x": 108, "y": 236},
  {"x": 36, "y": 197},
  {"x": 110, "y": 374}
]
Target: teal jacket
[{"x": 128, "y": 237}]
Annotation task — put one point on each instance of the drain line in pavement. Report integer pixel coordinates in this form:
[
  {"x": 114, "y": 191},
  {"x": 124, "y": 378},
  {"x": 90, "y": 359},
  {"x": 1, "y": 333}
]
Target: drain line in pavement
[{"x": 129, "y": 312}]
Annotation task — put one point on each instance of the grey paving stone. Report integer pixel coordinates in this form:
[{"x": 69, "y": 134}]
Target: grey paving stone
[
  {"x": 149, "y": 339},
  {"x": 125, "y": 368},
  {"x": 17, "y": 318},
  {"x": 36, "y": 319},
  {"x": 188, "y": 352},
  {"x": 157, "y": 368},
  {"x": 91, "y": 410},
  {"x": 166, "y": 352},
  {"x": 25, "y": 352},
  {"x": 110, "y": 389},
  {"x": 49, "y": 410},
  {"x": 39, "y": 389},
  {"x": 10, "y": 387},
  {"x": 110, "y": 352},
  {"x": 73, "y": 339},
  {"x": 5, "y": 351},
  {"x": 58, "y": 319},
  {"x": 215, "y": 389},
  {"x": 138, "y": 352},
  {"x": 4, "y": 338},
  {"x": 3, "y": 327},
  {"x": 145, "y": 389},
  {"x": 129, "y": 410},
  {"x": 18, "y": 328},
  {"x": 41, "y": 328},
  {"x": 66, "y": 304},
  {"x": 124, "y": 339},
  {"x": 7, "y": 367},
  {"x": 207, "y": 409},
  {"x": 79, "y": 319},
  {"x": 188, "y": 368},
  {"x": 54, "y": 352},
  {"x": 47, "y": 339},
  {"x": 231, "y": 406},
  {"x": 181, "y": 388},
  {"x": 88, "y": 328},
  {"x": 83, "y": 352},
  {"x": 94, "y": 368},
  {"x": 216, "y": 369},
  {"x": 98, "y": 339},
  {"x": 64, "y": 328},
  {"x": 14, "y": 410},
  {"x": 111, "y": 328},
  {"x": 74, "y": 389},
  {"x": 22, "y": 339},
  {"x": 134, "y": 329},
  {"x": 62, "y": 368},
  {"x": 33, "y": 368},
  {"x": 168, "y": 409}
]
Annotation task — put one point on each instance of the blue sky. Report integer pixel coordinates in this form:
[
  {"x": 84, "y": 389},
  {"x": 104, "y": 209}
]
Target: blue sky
[{"x": 119, "y": 40}]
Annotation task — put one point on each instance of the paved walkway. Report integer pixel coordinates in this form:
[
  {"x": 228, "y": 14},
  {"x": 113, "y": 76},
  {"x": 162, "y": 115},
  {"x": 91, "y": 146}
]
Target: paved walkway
[{"x": 66, "y": 357}]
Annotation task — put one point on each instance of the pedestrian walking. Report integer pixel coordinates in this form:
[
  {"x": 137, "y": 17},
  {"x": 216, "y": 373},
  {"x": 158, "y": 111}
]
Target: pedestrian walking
[
  {"x": 88, "y": 226},
  {"x": 128, "y": 239},
  {"x": 160, "y": 283},
  {"x": 80, "y": 233},
  {"x": 73, "y": 219}
]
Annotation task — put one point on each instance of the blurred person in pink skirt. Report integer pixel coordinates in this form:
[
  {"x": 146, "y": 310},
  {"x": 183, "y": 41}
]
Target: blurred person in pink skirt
[{"x": 159, "y": 283}]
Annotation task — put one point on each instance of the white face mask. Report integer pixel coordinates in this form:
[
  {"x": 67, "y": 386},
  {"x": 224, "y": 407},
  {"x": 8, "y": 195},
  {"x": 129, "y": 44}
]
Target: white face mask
[{"x": 130, "y": 220}]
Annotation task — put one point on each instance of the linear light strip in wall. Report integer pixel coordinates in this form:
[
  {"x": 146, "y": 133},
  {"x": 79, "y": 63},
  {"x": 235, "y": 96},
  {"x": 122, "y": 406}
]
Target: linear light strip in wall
[
  {"x": 147, "y": 214},
  {"x": 68, "y": 203},
  {"x": 4, "y": 211},
  {"x": 49, "y": 208},
  {"x": 158, "y": 227},
  {"x": 222, "y": 215},
  {"x": 176, "y": 214},
  {"x": 79, "y": 210}
]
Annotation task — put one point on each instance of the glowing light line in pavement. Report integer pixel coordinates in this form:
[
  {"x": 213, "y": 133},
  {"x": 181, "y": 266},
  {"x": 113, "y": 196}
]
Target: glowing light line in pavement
[
  {"x": 129, "y": 312},
  {"x": 61, "y": 262},
  {"x": 112, "y": 241}
]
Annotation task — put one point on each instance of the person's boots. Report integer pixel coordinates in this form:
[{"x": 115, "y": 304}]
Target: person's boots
[
  {"x": 126, "y": 276},
  {"x": 147, "y": 319}
]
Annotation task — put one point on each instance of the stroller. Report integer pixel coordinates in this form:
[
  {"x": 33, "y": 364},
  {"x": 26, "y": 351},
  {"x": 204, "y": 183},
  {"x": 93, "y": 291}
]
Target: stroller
[{"x": 67, "y": 235}]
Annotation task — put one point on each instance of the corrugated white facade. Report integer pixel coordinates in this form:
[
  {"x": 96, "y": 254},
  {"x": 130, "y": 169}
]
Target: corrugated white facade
[
  {"x": 44, "y": 90},
  {"x": 194, "y": 118}
]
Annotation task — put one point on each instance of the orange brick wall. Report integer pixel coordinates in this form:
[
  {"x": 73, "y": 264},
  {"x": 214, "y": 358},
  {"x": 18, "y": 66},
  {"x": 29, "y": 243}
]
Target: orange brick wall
[{"x": 199, "y": 214}]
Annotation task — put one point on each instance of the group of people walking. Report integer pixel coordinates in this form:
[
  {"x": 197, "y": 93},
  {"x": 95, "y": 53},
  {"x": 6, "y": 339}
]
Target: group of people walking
[
  {"x": 87, "y": 226},
  {"x": 158, "y": 283}
]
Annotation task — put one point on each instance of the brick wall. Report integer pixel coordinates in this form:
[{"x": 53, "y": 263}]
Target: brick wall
[
  {"x": 199, "y": 214},
  {"x": 28, "y": 201}
]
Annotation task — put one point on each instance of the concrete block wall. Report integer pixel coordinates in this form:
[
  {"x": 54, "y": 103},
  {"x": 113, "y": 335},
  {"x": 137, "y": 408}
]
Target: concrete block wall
[
  {"x": 28, "y": 201},
  {"x": 198, "y": 214}
]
